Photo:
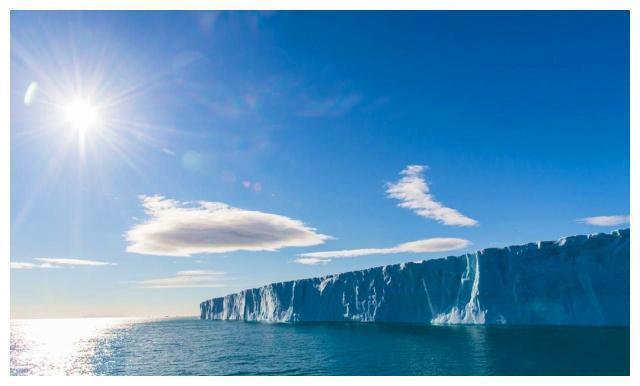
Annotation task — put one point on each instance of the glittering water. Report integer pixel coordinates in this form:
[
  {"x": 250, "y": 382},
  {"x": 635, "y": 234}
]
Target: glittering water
[{"x": 114, "y": 346}]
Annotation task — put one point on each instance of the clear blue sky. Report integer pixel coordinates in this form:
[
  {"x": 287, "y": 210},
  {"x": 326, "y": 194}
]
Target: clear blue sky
[{"x": 301, "y": 123}]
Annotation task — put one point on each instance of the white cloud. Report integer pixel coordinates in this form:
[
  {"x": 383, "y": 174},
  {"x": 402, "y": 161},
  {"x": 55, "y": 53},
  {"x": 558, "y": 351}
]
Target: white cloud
[
  {"x": 183, "y": 229},
  {"x": 413, "y": 192},
  {"x": 606, "y": 221},
  {"x": 311, "y": 261},
  {"x": 73, "y": 262},
  {"x": 24, "y": 265},
  {"x": 199, "y": 272},
  {"x": 56, "y": 263},
  {"x": 437, "y": 244},
  {"x": 187, "y": 279}
]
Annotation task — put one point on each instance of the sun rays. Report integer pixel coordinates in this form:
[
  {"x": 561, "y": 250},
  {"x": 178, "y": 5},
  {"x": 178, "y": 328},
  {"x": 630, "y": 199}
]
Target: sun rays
[{"x": 84, "y": 117}]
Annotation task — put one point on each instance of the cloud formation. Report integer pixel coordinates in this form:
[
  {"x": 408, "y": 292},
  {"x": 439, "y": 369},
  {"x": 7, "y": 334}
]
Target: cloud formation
[
  {"x": 311, "y": 261},
  {"x": 25, "y": 265},
  {"x": 57, "y": 263},
  {"x": 186, "y": 228},
  {"x": 73, "y": 262},
  {"x": 606, "y": 221},
  {"x": 329, "y": 107},
  {"x": 187, "y": 279},
  {"x": 437, "y": 244},
  {"x": 413, "y": 192}
]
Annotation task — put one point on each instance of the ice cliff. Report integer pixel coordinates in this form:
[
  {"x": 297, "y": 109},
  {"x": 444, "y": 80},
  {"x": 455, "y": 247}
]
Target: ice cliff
[{"x": 578, "y": 280}]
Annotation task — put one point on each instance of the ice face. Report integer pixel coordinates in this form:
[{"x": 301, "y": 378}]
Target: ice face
[{"x": 578, "y": 280}]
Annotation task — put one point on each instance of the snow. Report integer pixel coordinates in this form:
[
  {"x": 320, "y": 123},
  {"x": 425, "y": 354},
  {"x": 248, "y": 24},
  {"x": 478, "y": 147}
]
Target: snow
[{"x": 577, "y": 280}]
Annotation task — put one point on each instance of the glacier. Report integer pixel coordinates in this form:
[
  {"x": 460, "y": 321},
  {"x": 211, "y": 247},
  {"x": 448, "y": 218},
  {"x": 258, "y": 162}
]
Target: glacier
[{"x": 577, "y": 280}]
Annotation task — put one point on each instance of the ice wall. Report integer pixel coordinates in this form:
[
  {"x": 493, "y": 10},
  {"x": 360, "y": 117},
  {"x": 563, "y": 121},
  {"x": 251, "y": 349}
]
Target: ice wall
[{"x": 578, "y": 280}]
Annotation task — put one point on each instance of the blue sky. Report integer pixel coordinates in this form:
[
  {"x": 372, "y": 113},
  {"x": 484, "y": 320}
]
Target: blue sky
[{"x": 224, "y": 149}]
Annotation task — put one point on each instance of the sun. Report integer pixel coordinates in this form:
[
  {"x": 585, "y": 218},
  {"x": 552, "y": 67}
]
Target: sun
[{"x": 82, "y": 115}]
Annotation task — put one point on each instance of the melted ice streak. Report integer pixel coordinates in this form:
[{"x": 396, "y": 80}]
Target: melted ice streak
[
  {"x": 578, "y": 280},
  {"x": 471, "y": 313}
]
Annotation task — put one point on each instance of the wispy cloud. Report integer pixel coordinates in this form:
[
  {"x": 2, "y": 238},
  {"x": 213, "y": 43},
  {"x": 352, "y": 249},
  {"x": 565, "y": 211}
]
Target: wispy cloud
[
  {"x": 207, "y": 20},
  {"x": 413, "y": 192},
  {"x": 606, "y": 221},
  {"x": 311, "y": 260},
  {"x": 25, "y": 265},
  {"x": 329, "y": 107},
  {"x": 57, "y": 263},
  {"x": 186, "y": 228},
  {"x": 187, "y": 279},
  {"x": 437, "y": 244},
  {"x": 168, "y": 151},
  {"x": 73, "y": 262}
]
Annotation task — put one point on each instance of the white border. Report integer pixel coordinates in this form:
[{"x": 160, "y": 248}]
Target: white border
[
  {"x": 324, "y": 5},
  {"x": 311, "y": 5}
]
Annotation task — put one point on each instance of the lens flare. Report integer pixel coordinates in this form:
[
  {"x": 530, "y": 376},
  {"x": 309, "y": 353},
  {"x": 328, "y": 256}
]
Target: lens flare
[{"x": 30, "y": 95}]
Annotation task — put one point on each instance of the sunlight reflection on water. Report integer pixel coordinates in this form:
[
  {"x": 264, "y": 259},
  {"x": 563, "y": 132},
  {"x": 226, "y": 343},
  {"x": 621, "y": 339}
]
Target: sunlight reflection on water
[{"x": 60, "y": 346}]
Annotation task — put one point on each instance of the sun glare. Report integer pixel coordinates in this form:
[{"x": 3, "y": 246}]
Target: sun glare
[{"x": 81, "y": 115}]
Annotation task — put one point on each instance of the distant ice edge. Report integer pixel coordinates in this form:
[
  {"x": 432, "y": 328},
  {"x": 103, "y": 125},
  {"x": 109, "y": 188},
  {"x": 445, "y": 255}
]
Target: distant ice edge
[{"x": 577, "y": 280}]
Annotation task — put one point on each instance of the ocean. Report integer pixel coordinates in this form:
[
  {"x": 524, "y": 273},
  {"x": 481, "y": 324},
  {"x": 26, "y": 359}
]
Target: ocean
[{"x": 189, "y": 346}]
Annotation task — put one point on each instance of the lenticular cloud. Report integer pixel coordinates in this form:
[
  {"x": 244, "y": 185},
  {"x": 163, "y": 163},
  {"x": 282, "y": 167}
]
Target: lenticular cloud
[
  {"x": 436, "y": 244},
  {"x": 186, "y": 228},
  {"x": 606, "y": 221}
]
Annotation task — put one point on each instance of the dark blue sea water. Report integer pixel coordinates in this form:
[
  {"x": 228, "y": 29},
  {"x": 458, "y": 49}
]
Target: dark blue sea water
[{"x": 199, "y": 347}]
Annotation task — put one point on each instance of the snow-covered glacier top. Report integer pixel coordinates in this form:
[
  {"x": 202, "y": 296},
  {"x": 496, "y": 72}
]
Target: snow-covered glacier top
[{"x": 577, "y": 280}]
